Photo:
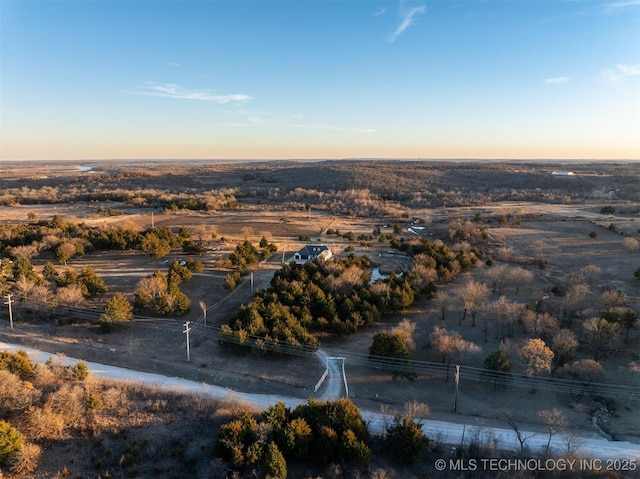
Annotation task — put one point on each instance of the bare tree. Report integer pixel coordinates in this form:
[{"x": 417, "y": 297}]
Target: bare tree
[
  {"x": 631, "y": 243},
  {"x": 505, "y": 254},
  {"x": 417, "y": 410},
  {"x": 246, "y": 231},
  {"x": 24, "y": 251},
  {"x": 573, "y": 298},
  {"x": 473, "y": 294},
  {"x": 537, "y": 358},
  {"x": 202, "y": 233},
  {"x": 590, "y": 273},
  {"x": 443, "y": 300},
  {"x": 496, "y": 276},
  {"x": 424, "y": 275},
  {"x": 351, "y": 277},
  {"x": 42, "y": 297},
  {"x": 519, "y": 277},
  {"x": 612, "y": 298},
  {"x": 504, "y": 314},
  {"x": 154, "y": 285},
  {"x": 584, "y": 370},
  {"x": 522, "y": 438},
  {"x": 541, "y": 325},
  {"x": 70, "y": 295},
  {"x": 554, "y": 421},
  {"x": 538, "y": 251},
  {"x": 573, "y": 443},
  {"x": 564, "y": 345},
  {"x": 601, "y": 334},
  {"x": 406, "y": 329},
  {"x": 24, "y": 287},
  {"x": 450, "y": 345}
]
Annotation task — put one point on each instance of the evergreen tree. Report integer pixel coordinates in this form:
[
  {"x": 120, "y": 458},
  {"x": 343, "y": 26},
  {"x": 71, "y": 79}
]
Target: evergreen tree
[
  {"x": 498, "y": 362},
  {"x": 405, "y": 440},
  {"x": 117, "y": 310},
  {"x": 275, "y": 464},
  {"x": 11, "y": 442},
  {"x": 393, "y": 345}
]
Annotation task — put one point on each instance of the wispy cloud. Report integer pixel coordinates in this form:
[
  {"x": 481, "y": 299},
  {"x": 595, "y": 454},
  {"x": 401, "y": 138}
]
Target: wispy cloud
[
  {"x": 556, "y": 80},
  {"x": 623, "y": 3},
  {"x": 382, "y": 11},
  {"x": 620, "y": 73},
  {"x": 176, "y": 92},
  {"x": 407, "y": 18}
]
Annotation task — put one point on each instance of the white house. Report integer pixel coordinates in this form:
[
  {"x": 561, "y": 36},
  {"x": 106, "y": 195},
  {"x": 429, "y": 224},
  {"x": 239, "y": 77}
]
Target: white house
[{"x": 311, "y": 252}]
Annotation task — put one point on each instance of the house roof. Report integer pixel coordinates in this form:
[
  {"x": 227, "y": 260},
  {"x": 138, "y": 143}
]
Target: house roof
[{"x": 313, "y": 250}]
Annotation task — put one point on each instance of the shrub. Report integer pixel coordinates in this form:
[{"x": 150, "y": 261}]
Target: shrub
[
  {"x": 232, "y": 280},
  {"x": 80, "y": 371},
  {"x": 10, "y": 442},
  {"x": 44, "y": 424},
  {"x": 405, "y": 440},
  {"x": 15, "y": 394},
  {"x": 17, "y": 363},
  {"x": 25, "y": 461}
]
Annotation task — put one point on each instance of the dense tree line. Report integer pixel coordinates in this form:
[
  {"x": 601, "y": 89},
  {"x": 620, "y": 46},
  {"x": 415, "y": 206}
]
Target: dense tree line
[
  {"x": 66, "y": 240},
  {"x": 333, "y": 297},
  {"x": 316, "y": 432},
  {"x": 337, "y": 296}
]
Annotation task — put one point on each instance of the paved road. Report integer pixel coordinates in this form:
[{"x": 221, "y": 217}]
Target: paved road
[{"x": 593, "y": 447}]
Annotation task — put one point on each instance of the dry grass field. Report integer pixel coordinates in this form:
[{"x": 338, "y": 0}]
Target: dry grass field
[{"x": 285, "y": 202}]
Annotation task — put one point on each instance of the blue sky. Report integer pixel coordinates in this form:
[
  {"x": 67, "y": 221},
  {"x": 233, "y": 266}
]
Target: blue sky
[{"x": 320, "y": 79}]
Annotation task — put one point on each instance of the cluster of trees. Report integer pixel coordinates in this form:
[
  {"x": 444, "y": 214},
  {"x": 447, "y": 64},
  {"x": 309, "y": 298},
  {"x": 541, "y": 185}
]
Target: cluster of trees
[
  {"x": 67, "y": 240},
  {"x": 552, "y": 346},
  {"x": 316, "y": 432},
  {"x": 161, "y": 292},
  {"x": 333, "y": 297},
  {"x": 53, "y": 288},
  {"x": 437, "y": 260},
  {"x": 244, "y": 257},
  {"x": 337, "y": 296},
  {"x": 396, "y": 344}
]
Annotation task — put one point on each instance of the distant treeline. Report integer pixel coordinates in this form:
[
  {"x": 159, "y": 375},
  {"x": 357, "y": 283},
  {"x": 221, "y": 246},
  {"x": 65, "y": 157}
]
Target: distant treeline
[{"x": 381, "y": 188}]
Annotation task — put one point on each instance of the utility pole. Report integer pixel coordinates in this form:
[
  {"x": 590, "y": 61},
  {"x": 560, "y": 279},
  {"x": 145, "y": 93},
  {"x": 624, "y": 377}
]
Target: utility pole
[
  {"x": 186, "y": 331},
  {"x": 252, "y": 283},
  {"x": 203, "y": 306},
  {"x": 152, "y": 223},
  {"x": 455, "y": 403},
  {"x": 9, "y": 302}
]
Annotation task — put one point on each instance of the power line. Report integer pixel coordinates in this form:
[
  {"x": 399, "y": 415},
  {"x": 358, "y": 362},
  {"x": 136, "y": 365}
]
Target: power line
[{"x": 382, "y": 363}]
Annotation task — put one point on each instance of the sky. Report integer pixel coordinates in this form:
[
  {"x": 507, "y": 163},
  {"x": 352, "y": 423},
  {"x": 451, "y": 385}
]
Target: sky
[{"x": 314, "y": 79}]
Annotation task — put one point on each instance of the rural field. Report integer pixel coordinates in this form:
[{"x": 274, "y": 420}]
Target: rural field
[{"x": 515, "y": 261}]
